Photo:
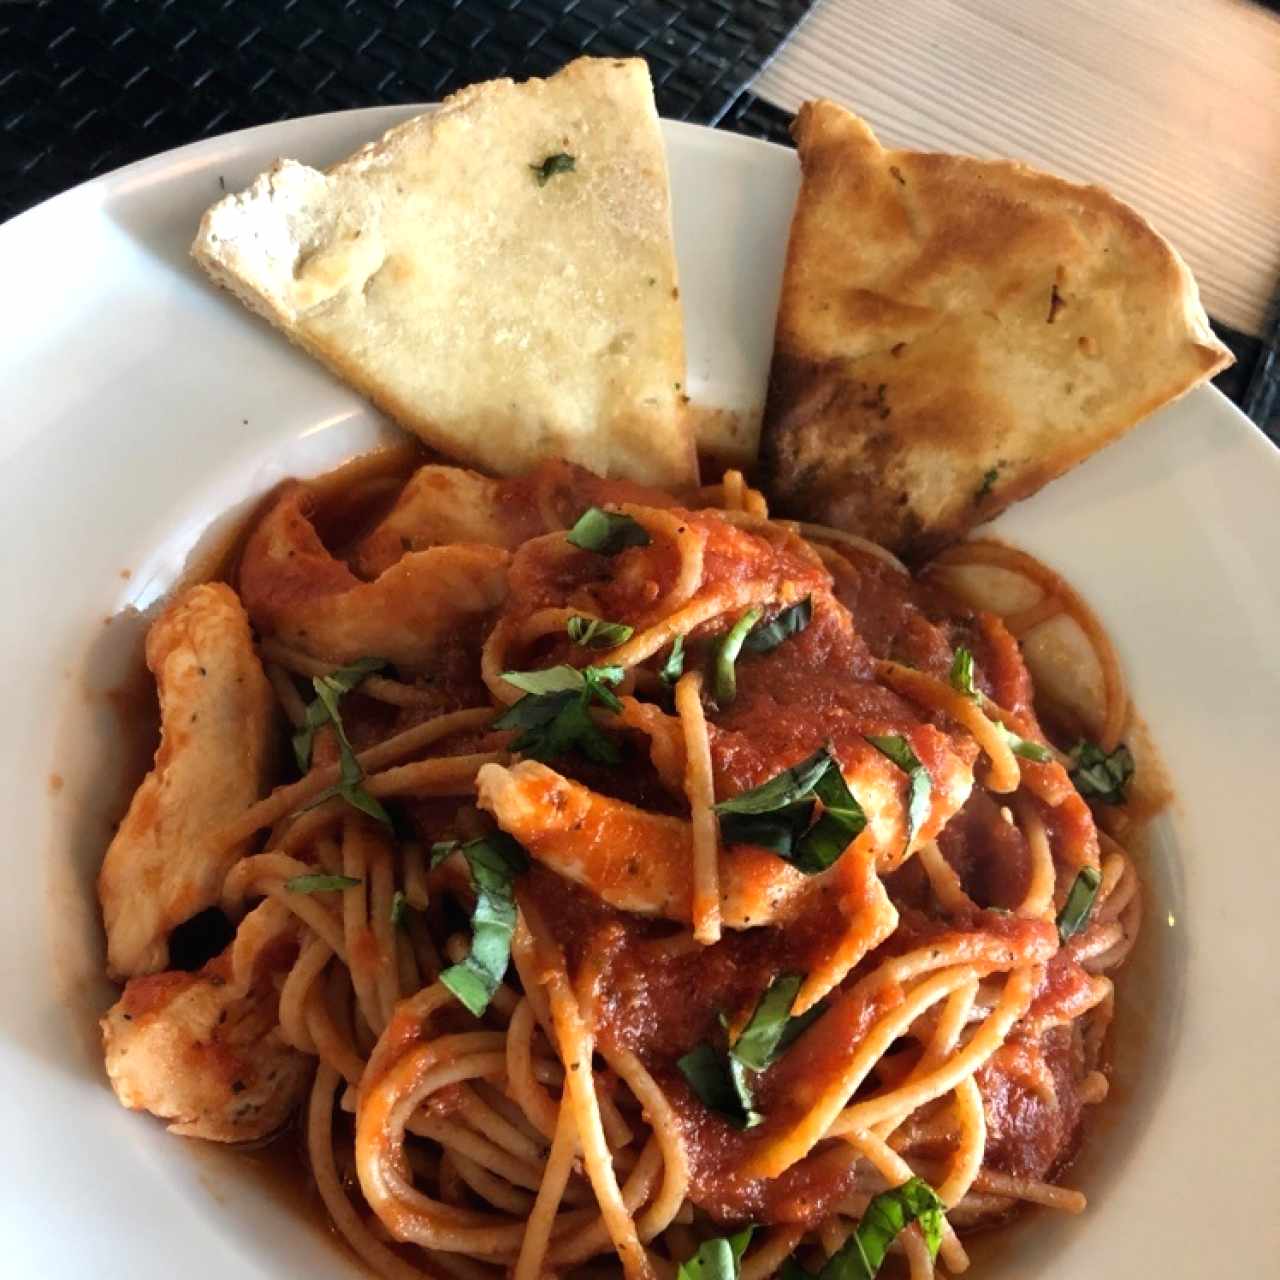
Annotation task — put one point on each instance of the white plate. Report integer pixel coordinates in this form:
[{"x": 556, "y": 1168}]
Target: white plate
[{"x": 140, "y": 405}]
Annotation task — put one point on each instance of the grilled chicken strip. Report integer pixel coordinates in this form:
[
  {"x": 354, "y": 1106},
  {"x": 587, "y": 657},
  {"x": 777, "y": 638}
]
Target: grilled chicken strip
[
  {"x": 640, "y": 861},
  {"x": 216, "y": 738},
  {"x": 294, "y": 588},
  {"x": 208, "y": 1058},
  {"x": 451, "y": 504}
]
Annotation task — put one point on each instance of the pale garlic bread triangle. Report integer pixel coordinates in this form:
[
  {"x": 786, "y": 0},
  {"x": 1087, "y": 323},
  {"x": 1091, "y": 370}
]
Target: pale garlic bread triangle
[{"x": 497, "y": 275}]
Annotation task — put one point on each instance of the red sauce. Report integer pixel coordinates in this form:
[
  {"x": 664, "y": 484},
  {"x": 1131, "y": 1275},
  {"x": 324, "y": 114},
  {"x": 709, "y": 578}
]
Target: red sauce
[
  {"x": 1028, "y": 1134},
  {"x": 660, "y": 1000}
]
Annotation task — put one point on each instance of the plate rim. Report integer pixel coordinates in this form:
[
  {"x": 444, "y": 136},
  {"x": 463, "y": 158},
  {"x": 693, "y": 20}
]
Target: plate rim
[{"x": 128, "y": 180}]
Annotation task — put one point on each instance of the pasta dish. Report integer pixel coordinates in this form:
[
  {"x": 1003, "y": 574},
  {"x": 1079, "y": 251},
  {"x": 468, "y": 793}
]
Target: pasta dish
[{"x": 609, "y": 878}]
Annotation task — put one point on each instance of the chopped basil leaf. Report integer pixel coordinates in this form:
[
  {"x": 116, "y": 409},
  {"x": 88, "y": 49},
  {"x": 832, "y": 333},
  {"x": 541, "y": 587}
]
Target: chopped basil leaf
[
  {"x": 598, "y": 680},
  {"x": 723, "y": 1081},
  {"x": 1023, "y": 747},
  {"x": 789, "y": 622},
  {"x": 606, "y": 532},
  {"x": 443, "y": 849},
  {"x": 595, "y": 633},
  {"x": 840, "y": 823},
  {"x": 304, "y": 738},
  {"x": 535, "y": 711},
  {"x": 718, "y": 1259},
  {"x": 795, "y": 783},
  {"x": 711, "y": 1076},
  {"x": 738, "y": 1073},
  {"x": 726, "y": 680},
  {"x": 777, "y": 814},
  {"x": 768, "y": 1032},
  {"x": 319, "y": 883},
  {"x": 356, "y": 796},
  {"x": 919, "y": 783},
  {"x": 555, "y": 713},
  {"x": 494, "y": 861},
  {"x": 962, "y": 673},
  {"x": 896, "y": 748},
  {"x": 324, "y": 709},
  {"x": 1075, "y": 911},
  {"x": 344, "y": 679},
  {"x": 760, "y": 1038},
  {"x": 673, "y": 668},
  {"x": 779, "y": 832},
  {"x": 399, "y": 905},
  {"x": 888, "y": 1214},
  {"x": 707, "y": 1071},
  {"x": 572, "y": 730},
  {"x": 1099, "y": 776},
  {"x": 798, "y": 1025},
  {"x": 563, "y": 679},
  {"x": 561, "y": 162}
]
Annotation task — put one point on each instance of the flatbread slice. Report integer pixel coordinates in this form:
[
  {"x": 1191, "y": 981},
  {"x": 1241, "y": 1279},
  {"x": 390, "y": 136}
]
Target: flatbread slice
[
  {"x": 954, "y": 333},
  {"x": 498, "y": 275}
]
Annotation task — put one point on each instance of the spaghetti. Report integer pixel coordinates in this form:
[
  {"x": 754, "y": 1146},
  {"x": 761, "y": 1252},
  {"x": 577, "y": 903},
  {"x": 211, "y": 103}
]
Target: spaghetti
[{"x": 574, "y": 961}]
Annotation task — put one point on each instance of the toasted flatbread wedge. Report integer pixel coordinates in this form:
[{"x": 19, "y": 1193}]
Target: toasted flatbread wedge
[
  {"x": 498, "y": 275},
  {"x": 954, "y": 333}
]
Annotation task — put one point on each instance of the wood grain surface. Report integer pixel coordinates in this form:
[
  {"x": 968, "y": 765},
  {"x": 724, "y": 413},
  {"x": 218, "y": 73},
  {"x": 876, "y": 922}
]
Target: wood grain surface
[{"x": 1172, "y": 104}]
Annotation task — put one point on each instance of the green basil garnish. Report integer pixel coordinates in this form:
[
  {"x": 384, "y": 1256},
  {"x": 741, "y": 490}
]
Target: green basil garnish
[
  {"x": 789, "y": 622},
  {"x": 555, "y": 713},
  {"x": 779, "y": 831},
  {"x": 841, "y": 820},
  {"x": 720, "y": 1084},
  {"x": 1075, "y": 911},
  {"x": 725, "y": 679},
  {"x": 595, "y": 633},
  {"x": 1024, "y": 747},
  {"x": 888, "y": 1214},
  {"x": 673, "y": 668},
  {"x": 777, "y": 814},
  {"x": 962, "y": 673},
  {"x": 355, "y": 795},
  {"x": 324, "y": 710},
  {"x": 443, "y": 849},
  {"x": 494, "y": 862},
  {"x": 1099, "y": 776},
  {"x": 723, "y": 1081},
  {"x": 718, "y": 1259},
  {"x": 561, "y": 162},
  {"x": 319, "y": 883},
  {"x": 399, "y": 905},
  {"x": 772, "y": 1027},
  {"x": 786, "y": 788},
  {"x": 919, "y": 784},
  {"x": 561, "y": 680},
  {"x": 606, "y": 532}
]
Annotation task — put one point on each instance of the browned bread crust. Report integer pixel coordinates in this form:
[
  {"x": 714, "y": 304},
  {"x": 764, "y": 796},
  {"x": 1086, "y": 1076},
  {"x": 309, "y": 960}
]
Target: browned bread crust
[{"x": 954, "y": 333}]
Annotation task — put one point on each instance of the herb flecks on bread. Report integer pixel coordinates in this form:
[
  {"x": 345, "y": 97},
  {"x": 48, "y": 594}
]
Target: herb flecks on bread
[
  {"x": 497, "y": 275},
  {"x": 954, "y": 333}
]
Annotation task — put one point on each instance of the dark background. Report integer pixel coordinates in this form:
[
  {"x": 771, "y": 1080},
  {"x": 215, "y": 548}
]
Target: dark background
[{"x": 86, "y": 87}]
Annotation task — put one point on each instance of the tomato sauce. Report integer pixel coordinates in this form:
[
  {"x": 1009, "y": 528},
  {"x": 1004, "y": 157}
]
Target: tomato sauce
[{"x": 661, "y": 996}]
